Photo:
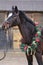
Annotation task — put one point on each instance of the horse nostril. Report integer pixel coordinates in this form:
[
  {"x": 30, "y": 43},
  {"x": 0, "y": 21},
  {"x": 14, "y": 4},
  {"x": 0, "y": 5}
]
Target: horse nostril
[{"x": 3, "y": 27}]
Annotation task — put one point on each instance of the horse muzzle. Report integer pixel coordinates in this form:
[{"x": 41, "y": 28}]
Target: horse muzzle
[{"x": 5, "y": 26}]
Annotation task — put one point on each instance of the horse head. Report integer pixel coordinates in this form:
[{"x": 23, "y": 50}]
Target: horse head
[{"x": 12, "y": 19}]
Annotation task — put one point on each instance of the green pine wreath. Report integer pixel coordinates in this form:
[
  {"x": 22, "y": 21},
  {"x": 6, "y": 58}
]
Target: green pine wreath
[{"x": 34, "y": 45}]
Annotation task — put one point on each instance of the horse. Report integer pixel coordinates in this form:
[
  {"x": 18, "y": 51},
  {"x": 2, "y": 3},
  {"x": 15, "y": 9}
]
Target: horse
[{"x": 27, "y": 29}]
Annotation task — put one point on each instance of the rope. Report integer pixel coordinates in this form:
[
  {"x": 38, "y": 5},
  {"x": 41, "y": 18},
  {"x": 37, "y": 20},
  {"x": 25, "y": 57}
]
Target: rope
[{"x": 5, "y": 50}]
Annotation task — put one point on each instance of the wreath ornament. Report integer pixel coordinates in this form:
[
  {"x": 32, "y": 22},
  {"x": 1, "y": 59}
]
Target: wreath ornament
[{"x": 35, "y": 42}]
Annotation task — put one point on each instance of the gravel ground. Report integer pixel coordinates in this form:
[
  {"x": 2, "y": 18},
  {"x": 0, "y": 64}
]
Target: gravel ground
[{"x": 15, "y": 58}]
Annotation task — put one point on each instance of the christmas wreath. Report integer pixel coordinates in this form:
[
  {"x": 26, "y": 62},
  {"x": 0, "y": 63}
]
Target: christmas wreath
[{"x": 34, "y": 45}]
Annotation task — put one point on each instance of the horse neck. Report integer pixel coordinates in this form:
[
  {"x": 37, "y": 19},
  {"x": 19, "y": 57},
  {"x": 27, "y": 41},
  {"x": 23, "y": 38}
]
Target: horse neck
[
  {"x": 22, "y": 15},
  {"x": 27, "y": 23}
]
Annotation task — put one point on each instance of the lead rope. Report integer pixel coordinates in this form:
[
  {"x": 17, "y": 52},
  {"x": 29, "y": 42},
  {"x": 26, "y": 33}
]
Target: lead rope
[{"x": 4, "y": 51}]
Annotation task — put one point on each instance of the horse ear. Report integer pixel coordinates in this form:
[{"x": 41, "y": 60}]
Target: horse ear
[
  {"x": 13, "y": 9},
  {"x": 16, "y": 9}
]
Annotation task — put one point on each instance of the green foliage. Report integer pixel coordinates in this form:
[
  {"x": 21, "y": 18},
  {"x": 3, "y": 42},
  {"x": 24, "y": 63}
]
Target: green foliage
[
  {"x": 39, "y": 33},
  {"x": 22, "y": 47},
  {"x": 34, "y": 44}
]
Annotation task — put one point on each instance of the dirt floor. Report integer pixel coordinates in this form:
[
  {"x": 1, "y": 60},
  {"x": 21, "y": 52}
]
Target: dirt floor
[{"x": 15, "y": 58}]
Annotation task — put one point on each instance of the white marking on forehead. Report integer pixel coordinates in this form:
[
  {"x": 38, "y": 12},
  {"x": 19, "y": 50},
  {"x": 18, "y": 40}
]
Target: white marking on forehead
[{"x": 8, "y": 16}]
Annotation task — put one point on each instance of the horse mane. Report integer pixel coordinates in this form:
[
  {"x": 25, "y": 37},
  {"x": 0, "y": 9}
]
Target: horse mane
[
  {"x": 26, "y": 18},
  {"x": 22, "y": 14}
]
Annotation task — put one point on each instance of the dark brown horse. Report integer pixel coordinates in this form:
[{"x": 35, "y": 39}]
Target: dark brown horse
[{"x": 27, "y": 28}]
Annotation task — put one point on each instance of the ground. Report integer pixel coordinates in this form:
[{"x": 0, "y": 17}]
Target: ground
[{"x": 16, "y": 58}]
